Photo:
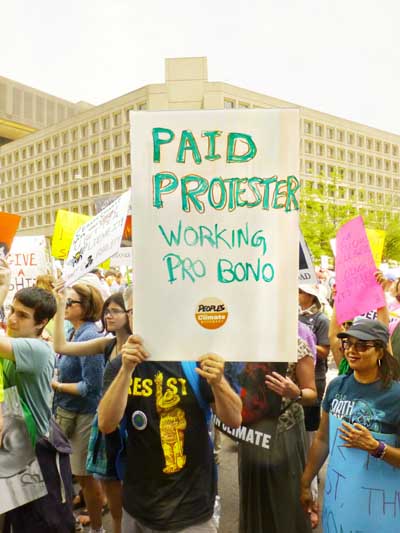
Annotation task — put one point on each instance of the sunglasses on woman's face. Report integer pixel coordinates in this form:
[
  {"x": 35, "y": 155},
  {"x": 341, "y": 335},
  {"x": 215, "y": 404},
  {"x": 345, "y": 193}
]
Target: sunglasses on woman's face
[
  {"x": 70, "y": 301},
  {"x": 358, "y": 346}
]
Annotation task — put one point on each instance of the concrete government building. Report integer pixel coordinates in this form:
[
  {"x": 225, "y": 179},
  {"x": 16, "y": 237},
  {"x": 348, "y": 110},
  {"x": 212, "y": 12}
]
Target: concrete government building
[{"x": 56, "y": 154}]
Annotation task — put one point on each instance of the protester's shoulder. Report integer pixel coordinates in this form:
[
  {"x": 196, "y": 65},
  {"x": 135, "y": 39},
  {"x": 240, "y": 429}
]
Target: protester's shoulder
[
  {"x": 32, "y": 345},
  {"x": 337, "y": 383},
  {"x": 32, "y": 355},
  {"x": 395, "y": 388},
  {"x": 88, "y": 331},
  {"x": 321, "y": 318}
]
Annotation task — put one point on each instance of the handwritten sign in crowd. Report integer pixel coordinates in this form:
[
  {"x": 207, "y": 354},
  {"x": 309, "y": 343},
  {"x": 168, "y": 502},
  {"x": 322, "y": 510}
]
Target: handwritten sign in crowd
[
  {"x": 215, "y": 243},
  {"x": 65, "y": 227},
  {"x": 357, "y": 290},
  {"x": 27, "y": 259},
  {"x": 97, "y": 240},
  {"x": 361, "y": 492}
]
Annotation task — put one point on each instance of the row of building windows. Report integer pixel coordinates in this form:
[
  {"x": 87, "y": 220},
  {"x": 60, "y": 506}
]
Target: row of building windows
[
  {"x": 322, "y": 170},
  {"x": 348, "y": 137},
  {"x": 76, "y": 192},
  {"x": 93, "y": 168},
  {"x": 79, "y": 134},
  {"x": 33, "y": 107},
  {"x": 47, "y": 218},
  {"x": 352, "y": 157}
]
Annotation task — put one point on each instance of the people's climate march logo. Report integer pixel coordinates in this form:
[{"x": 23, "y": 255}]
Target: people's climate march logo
[{"x": 211, "y": 313}]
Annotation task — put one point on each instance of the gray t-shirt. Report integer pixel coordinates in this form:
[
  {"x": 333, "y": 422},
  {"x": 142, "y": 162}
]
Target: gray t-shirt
[{"x": 32, "y": 373}]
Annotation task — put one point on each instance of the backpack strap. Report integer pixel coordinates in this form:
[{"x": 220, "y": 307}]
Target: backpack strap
[{"x": 189, "y": 369}]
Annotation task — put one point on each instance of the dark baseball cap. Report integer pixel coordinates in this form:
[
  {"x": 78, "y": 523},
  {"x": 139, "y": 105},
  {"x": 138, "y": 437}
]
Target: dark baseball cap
[{"x": 367, "y": 330}]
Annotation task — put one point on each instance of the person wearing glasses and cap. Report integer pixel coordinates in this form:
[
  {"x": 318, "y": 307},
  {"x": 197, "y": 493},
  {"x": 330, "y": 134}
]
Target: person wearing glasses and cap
[{"x": 365, "y": 400}]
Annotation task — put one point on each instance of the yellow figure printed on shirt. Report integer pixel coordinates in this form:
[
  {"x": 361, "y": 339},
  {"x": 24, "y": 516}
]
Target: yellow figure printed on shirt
[{"x": 172, "y": 427}]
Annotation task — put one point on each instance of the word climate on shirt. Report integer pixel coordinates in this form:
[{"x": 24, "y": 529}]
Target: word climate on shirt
[{"x": 198, "y": 192}]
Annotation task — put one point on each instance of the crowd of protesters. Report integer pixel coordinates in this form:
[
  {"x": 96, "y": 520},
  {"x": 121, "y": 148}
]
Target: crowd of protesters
[{"x": 134, "y": 434}]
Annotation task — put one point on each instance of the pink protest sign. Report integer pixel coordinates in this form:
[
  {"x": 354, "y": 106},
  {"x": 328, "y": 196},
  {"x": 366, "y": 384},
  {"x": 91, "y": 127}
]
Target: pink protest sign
[{"x": 357, "y": 290}]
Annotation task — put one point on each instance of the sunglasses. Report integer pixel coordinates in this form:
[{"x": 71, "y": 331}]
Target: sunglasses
[
  {"x": 70, "y": 301},
  {"x": 358, "y": 346}
]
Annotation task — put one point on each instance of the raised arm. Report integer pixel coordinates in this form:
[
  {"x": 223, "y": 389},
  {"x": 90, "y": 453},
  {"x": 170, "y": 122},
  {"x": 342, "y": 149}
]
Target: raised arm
[
  {"x": 227, "y": 404},
  {"x": 60, "y": 345},
  {"x": 112, "y": 406}
]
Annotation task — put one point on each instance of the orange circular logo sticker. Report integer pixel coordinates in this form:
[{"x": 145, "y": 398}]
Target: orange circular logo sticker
[{"x": 211, "y": 313}]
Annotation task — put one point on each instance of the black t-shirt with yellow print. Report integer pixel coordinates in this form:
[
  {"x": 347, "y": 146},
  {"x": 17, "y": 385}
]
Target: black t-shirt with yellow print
[{"x": 170, "y": 480}]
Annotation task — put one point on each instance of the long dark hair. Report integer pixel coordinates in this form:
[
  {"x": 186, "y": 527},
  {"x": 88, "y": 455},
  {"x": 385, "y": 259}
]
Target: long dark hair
[
  {"x": 118, "y": 299},
  {"x": 389, "y": 370}
]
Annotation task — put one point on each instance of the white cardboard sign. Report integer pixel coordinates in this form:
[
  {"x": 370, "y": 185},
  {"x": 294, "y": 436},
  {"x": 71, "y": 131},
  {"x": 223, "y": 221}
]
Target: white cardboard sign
[
  {"x": 306, "y": 268},
  {"x": 27, "y": 259},
  {"x": 215, "y": 239},
  {"x": 97, "y": 240}
]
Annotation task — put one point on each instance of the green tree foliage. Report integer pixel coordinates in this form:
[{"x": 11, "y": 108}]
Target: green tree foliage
[
  {"x": 322, "y": 213},
  {"x": 323, "y": 210}
]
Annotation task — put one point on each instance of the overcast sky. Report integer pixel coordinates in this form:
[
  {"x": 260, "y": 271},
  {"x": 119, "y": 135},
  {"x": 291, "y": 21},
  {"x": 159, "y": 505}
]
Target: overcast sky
[{"x": 338, "y": 56}]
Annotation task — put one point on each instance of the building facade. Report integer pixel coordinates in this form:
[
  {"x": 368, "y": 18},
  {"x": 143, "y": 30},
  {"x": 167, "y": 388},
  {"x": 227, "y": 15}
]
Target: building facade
[{"x": 71, "y": 158}]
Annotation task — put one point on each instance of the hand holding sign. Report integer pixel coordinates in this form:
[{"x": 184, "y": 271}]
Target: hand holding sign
[
  {"x": 357, "y": 436},
  {"x": 133, "y": 353},
  {"x": 211, "y": 368}
]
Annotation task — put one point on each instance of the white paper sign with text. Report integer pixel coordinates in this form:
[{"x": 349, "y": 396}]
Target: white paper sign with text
[
  {"x": 215, "y": 239},
  {"x": 97, "y": 240},
  {"x": 27, "y": 260}
]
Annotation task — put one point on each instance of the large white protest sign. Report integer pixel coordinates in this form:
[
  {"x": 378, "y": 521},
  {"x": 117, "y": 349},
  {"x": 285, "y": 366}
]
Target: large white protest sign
[
  {"x": 215, "y": 240},
  {"x": 97, "y": 240},
  {"x": 27, "y": 259}
]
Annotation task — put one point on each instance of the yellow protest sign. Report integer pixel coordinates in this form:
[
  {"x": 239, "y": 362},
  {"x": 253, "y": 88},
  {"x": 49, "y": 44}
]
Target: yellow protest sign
[
  {"x": 376, "y": 238},
  {"x": 65, "y": 227}
]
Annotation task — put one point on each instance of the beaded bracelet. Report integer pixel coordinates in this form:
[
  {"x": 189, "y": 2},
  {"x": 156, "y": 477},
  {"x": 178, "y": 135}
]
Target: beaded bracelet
[{"x": 380, "y": 451}]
